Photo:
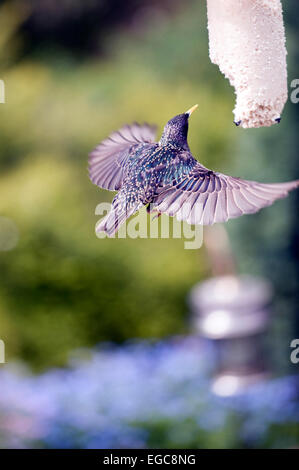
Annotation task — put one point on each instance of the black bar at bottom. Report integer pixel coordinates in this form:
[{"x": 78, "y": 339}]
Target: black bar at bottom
[{"x": 130, "y": 458}]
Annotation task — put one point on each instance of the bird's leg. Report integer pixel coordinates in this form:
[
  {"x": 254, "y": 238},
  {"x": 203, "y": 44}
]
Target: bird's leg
[{"x": 150, "y": 210}]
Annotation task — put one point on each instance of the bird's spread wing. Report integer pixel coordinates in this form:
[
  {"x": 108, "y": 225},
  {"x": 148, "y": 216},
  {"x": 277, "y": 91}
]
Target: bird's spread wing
[
  {"x": 204, "y": 197},
  {"x": 106, "y": 161}
]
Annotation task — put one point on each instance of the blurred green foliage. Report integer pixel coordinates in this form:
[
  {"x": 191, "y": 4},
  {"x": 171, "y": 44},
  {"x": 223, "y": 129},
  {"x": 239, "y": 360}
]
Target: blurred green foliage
[{"x": 61, "y": 287}]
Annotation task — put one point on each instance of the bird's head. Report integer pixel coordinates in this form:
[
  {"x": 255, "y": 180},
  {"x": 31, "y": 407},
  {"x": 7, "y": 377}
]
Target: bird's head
[{"x": 176, "y": 130}]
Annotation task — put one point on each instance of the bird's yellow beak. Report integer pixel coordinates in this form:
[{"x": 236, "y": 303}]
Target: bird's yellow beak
[{"x": 190, "y": 111}]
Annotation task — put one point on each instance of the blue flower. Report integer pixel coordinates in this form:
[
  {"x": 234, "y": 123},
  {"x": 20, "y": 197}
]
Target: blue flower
[{"x": 139, "y": 395}]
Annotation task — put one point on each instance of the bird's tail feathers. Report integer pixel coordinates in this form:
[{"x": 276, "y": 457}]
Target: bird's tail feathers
[{"x": 114, "y": 219}]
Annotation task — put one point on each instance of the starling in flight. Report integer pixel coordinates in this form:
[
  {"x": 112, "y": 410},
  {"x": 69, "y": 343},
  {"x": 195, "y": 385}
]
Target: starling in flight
[{"x": 167, "y": 178}]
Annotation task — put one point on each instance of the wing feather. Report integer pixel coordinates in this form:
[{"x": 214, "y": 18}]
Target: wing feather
[
  {"x": 204, "y": 197},
  {"x": 107, "y": 160}
]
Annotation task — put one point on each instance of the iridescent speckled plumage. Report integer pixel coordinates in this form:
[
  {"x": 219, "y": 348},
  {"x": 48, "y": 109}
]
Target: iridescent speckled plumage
[{"x": 165, "y": 175}]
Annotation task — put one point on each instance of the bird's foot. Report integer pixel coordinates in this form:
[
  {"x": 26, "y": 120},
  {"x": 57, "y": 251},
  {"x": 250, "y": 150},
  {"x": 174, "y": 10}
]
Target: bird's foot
[
  {"x": 148, "y": 208},
  {"x": 156, "y": 216}
]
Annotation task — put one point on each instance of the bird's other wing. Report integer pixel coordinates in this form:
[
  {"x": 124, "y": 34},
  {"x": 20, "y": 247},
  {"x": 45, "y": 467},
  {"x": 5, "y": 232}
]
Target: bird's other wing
[
  {"x": 204, "y": 197},
  {"x": 107, "y": 160}
]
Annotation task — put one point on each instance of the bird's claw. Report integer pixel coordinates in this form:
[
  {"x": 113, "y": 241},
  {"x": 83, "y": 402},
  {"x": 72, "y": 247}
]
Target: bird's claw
[{"x": 156, "y": 216}]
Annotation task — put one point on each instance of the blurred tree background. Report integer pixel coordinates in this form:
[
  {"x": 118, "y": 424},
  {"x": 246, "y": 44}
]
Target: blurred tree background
[{"x": 73, "y": 72}]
